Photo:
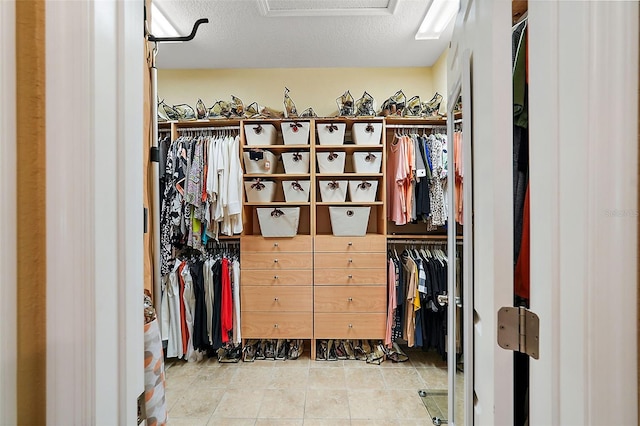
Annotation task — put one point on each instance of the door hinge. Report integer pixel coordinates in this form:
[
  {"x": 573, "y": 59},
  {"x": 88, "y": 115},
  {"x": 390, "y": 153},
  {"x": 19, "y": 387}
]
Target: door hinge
[{"x": 518, "y": 330}]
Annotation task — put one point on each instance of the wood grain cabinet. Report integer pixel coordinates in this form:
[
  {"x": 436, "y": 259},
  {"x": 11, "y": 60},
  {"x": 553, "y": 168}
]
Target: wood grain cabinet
[
  {"x": 276, "y": 293},
  {"x": 350, "y": 300}
]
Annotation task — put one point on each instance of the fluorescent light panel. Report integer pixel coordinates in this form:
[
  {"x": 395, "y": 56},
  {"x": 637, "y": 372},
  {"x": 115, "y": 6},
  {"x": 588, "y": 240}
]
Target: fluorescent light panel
[
  {"x": 160, "y": 24},
  {"x": 437, "y": 18}
]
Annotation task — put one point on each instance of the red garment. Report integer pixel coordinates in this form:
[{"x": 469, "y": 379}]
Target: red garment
[
  {"x": 522, "y": 278},
  {"x": 226, "y": 314},
  {"x": 183, "y": 316}
]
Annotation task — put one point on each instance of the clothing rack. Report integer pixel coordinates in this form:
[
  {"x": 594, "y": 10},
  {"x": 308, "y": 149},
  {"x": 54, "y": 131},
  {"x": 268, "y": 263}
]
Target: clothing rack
[
  {"x": 207, "y": 129},
  {"x": 416, "y": 126},
  {"x": 422, "y": 242}
]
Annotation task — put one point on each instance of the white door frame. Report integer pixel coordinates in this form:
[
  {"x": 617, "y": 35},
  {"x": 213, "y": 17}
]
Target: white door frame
[
  {"x": 483, "y": 31},
  {"x": 94, "y": 97},
  {"x": 583, "y": 109},
  {"x": 8, "y": 204}
]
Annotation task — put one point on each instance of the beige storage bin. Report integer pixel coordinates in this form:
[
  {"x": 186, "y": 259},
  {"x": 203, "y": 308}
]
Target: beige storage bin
[
  {"x": 331, "y": 162},
  {"x": 260, "y": 134},
  {"x": 296, "y": 191},
  {"x": 363, "y": 191},
  {"x": 333, "y": 191},
  {"x": 367, "y": 133},
  {"x": 367, "y": 162},
  {"x": 260, "y": 191},
  {"x": 331, "y": 133},
  {"x": 279, "y": 222},
  {"x": 349, "y": 221},
  {"x": 267, "y": 165},
  {"x": 296, "y": 162},
  {"x": 295, "y": 132}
]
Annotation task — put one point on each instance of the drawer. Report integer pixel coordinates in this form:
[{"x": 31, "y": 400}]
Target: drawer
[
  {"x": 351, "y": 277},
  {"x": 344, "y": 299},
  {"x": 276, "y": 261},
  {"x": 350, "y": 326},
  {"x": 276, "y": 299},
  {"x": 299, "y": 243},
  {"x": 369, "y": 243},
  {"x": 299, "y": 277},
  {"x": 277, "y": 325},
  {"x": 350, "y": 260}
]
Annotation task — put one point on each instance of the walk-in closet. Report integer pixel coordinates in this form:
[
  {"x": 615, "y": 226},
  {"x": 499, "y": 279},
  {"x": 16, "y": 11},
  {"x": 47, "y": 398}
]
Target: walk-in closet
[
  {"x": 311, "y": 193},
  {"x": 304, "y": 253}
]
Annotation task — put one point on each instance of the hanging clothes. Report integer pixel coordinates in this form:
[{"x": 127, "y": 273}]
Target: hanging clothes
[
  {"x": 201, "y": 304},
  {"x": 202, "y": 195},
  {"x": 416, "y": 183}
]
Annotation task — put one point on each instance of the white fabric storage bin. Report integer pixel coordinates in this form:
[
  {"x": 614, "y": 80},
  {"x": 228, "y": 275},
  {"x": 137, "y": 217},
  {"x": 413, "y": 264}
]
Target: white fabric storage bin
[
  {"x": 267, "y": 165},
  {"x": 295, "y": 132},
  {"x": 296, "y": 191},
  {"x": 333, "y": 191},
  {"x": 331, "y": 162},
  {"x": 367, "y": 162},
  {"x": 260, "y": 134},
  {"x": 349, "y": 221},
  {"x": 260, "y": 191},
  {"x": 366, "y": 133},
  {"x": 279, "y": 222},
  {"x": 331, "y": 133},
  {"x": 296, "y": 162},
  {"x": 363, "y": 191}
]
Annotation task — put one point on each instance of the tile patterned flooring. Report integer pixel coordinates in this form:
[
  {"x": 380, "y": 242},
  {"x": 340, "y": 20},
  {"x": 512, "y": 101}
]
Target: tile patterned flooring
[{"x": 302, "y": 392}]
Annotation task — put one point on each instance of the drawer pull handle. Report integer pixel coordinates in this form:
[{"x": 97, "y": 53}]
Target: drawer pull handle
[
  {"x": 350, "y": 260},
  {"x": 275, "y": 260},
  {"x": 350, "y": 299},
  {"x": 275, "y": 325},
  {"x": 350, "y": 276},
  {"x": 275, "y": 244},
  {"x": 275, "y": 299},
  {"x": 275, "y": 277},
  {"x": 350, "y": 243},
  {"x": 350, "y": 325}
]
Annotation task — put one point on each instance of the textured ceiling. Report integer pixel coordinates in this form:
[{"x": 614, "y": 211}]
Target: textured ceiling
[{"x": 311, "y": 34}]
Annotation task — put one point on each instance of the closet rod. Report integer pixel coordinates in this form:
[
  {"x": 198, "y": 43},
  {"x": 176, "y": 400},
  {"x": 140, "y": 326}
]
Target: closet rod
[
  {"x": 416, "y": 126},
  {"x": 198, "y": 129},
  {"x": 421, "y": 242}
]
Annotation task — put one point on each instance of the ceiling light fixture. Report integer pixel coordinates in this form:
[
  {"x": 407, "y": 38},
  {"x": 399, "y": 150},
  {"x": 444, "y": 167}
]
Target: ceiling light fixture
[
  {"x": 438, "y": 16},
  {"x": 160, "y": 24}
]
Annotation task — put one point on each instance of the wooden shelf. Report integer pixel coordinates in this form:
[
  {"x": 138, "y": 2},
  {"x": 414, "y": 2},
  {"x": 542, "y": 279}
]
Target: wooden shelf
[
  {"x": 276, "y": 147},
  {"x": 348, "y": 175},
  {"x": 349, "y": 147},
  {"x": 349, "y": 203},
  {"x": 277, "y": 176},
  {"x": 278, "y": 203}
]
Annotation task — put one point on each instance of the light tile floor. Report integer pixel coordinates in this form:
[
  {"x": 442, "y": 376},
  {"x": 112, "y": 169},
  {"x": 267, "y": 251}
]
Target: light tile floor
[{"x": 303, "y": 392}]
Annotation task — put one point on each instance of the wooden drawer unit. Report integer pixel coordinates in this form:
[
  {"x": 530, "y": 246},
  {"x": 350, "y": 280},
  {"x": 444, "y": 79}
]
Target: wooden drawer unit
[
  {"x": 287, "y": 277},
  {"x": 344, "y": 276},
  {"x": 349, "y": 260},
  {"x": 276, "y": 261},
  {"x": 349, "y": 326},
  {"x": 253, "y": 243},
  {"x": 277, "y": 325},
  {"x": 276, "y": 299},
  {"x": 341, "y": 299},
  {"x": 367, "y": 244}
]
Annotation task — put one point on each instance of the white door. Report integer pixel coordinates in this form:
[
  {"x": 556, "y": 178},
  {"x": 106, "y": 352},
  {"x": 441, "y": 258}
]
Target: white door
[
  {"x": 481, "y": 45},
  {"x": 583, "y": 112}
]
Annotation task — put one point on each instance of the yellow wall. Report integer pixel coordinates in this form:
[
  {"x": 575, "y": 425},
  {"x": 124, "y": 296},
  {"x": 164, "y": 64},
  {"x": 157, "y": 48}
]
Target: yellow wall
[
  {"x": 439, "y": 74},
  {"x": 310, "y": 87}
]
